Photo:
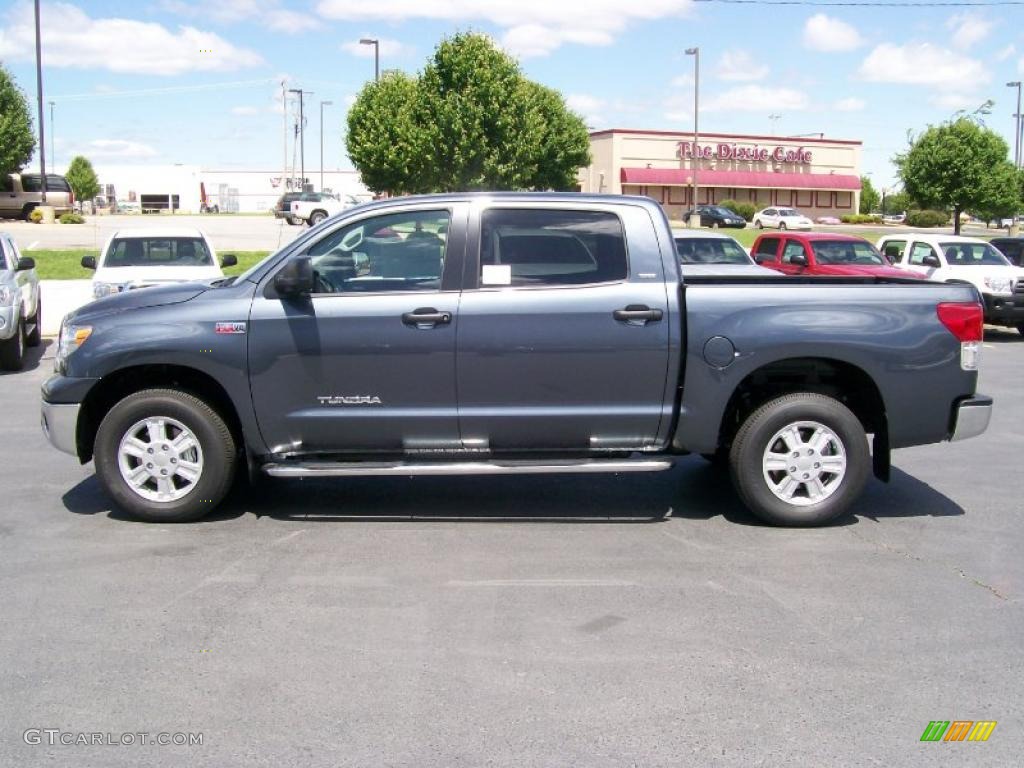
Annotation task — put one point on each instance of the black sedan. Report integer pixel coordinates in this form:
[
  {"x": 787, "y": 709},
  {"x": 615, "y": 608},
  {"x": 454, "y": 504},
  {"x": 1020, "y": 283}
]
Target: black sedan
[{"x": 716, "y": 216}]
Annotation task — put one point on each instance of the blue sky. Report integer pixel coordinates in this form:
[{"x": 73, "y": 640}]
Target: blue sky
[{"x": 187, "y": 81}]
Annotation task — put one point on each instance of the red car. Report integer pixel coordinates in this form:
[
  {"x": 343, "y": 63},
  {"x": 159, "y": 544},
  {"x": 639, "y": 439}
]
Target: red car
[{"x": 822, "y": 253}]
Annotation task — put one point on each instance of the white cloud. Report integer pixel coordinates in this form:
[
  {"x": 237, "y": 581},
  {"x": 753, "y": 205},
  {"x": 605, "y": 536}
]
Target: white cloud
[
  {"x": 1006, "y": 53},
  {"x": 590, "y": 107},
  {"x": 118, "y": 149},
  {"x": 529, "y": 27},
  {"x": 289, "y": 22},
  {"x": 968, "y": 29},
  {"x": 244, "y": 111},
  {"x": 682, "y": 81},
  {"x": 954, "y": 100},
  {"x": 266, "y": 12},
  {"x": 739, "y": 66},
  {"x": 757, "y": 98},
  {"x": 73, "y": 39},
  {"x": 923, "y": 64},
  {"x": 849, "y": 104},
  {"x": 825, "y": 33},
  {"x": 388, "y": 48}
]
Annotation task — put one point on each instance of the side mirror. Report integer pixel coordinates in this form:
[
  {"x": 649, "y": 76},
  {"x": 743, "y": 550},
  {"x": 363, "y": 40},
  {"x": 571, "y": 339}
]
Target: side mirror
[
  {"x": 228, "y": 260},
  {"x": 89, "y": 262},
  {"x": 295, "y": 278},
  {"x": 798, "y": 260},
  {"x": 26, "y": 262},
  {"x": 763, "y": 258},
  {"x": 931, "y": 260}
]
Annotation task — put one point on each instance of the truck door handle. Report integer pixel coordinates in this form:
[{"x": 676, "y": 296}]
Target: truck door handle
[
  {"x": 426, "y": 317},
  {"x": 637, "y": 314}
]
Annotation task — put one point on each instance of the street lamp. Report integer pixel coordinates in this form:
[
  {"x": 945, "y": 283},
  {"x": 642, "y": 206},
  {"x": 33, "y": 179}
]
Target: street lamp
[
  {"x": 39, "y": 100},
  {"x": 695, "y": 52},
  {"x": 376, "y": 54},
  {"x": 1016, "y": 133},
  {"x": 53, "y": 139},
  {"x": 322, "y": 105}
]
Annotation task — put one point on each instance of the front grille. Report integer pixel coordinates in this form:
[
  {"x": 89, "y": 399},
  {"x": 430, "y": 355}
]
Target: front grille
[{"x": 1018, "y": 288}]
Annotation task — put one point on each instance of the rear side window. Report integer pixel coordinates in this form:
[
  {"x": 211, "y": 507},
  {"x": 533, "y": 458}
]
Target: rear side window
[
  {"x": 6, "y": 183},
  {"x": 767, "y": 249},
  {"x": 919, "y": 252},
  {"x": 546, "y": 247},
  {"x": 894, "y": 250}
]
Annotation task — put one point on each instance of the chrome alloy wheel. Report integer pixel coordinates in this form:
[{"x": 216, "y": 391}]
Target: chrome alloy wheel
[
  {"x": 160, "y": 459},
  {"x": 804, "y": 463}
]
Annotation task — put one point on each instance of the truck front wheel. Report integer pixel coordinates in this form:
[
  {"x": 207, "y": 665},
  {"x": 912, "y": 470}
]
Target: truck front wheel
[
  {"x": 801, "y": 459},
  {"x": 165, "y": 456}
]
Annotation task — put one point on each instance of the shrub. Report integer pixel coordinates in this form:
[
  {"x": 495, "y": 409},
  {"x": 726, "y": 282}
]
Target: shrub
[
  {"x": 860, "y": 218},
  {"x": 927, "y": 218},
  {"x": 35, "y": 216},
  {"x": 71, "y": 218},
  {"x": 746, "y": 210}
]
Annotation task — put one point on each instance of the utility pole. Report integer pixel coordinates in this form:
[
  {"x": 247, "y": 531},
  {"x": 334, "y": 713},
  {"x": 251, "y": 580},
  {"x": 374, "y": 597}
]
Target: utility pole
[
  {"x": 302, "y": 134},
  {"x": 322, "y": 105},
  {"x": 695, "y": 52},
  {"x": 284, "y": 157},
  {"x": 774, "y": 118},
  {"x": 53, "y": 140},
  {"x": 1016, "y": 134},
  {"x": 39, "y": 99}
]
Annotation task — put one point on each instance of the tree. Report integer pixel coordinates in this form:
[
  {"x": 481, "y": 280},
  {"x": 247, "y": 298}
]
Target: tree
[
  {"x": 470, "y": 121},
  {"x": 897, "y": 202},
  {"x": 869, "y": 197},
  {"x": 1004, "y": 196},
  {"x": 82, "y": 179},
  {"x": 958, "y": 165},
  {"x": 17, "y": 141}
]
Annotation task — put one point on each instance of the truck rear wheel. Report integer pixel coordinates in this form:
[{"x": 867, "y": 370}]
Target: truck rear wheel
[
  {"x": 800, "y": 460},
  {"x": 165, "y": 456}
]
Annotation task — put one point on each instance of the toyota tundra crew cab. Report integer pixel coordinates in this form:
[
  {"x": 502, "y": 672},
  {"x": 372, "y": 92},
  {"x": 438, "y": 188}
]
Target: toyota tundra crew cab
[{"x": 510, "y": 334}]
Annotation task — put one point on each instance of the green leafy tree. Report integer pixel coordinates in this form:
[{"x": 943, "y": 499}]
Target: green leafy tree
[
  {"x": 869, "y": 197},
  {"x": 953, "y": 166},
  {"x": 470, "y": 121},
  {"x": 16, "y": 138},
  {"x": 897, "y": 202},
  {"x": 1004, "y": 193},
  {"x": 82, "y": 179}
]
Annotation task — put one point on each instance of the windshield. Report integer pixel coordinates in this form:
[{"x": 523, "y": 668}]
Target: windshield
[
  {"x": 158, "y": 252},
  {"x": 717, "y": 209},
  {"x": 972, "y": 254},
  {"x": 847, "y": 252},
  {"x": 788, "y": 212},
  {"x": 708, "y": 250}
]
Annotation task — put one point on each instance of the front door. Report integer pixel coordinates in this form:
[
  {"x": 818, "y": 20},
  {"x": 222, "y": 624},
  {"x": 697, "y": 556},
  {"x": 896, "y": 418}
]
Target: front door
[
  {"x": 564, "y": 336},
  {"x": 794, "y": 250},
  {"x": 367, "y": 363}
]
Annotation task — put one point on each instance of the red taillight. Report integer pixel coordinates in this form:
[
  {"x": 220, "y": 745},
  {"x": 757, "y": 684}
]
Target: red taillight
[
  {"x": 963, "y": 320},
  {"x": 71, "y": 196}
]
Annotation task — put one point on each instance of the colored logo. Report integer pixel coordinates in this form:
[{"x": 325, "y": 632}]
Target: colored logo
[
  {"x": 229, "y": 328},
  {"x": 958, "y": 730}
]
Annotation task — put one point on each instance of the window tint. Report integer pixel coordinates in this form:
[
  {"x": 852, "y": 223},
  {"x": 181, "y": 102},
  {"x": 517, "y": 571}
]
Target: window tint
[
  {"x": 707, "y": 250},
  {"x": 972, "y": 254},
  {"x": 918, "y": 253},
  {"x": 847, "y": 252},
  {"x": 1011, "y": 249},
  {"x": 396, "y": 252},
  {"x": 894, "y": 250},
  {"x": 6, "y": 183},
  {"x": 771, "y": 212},
  {"x": 793, "y": 249},
  {"x": 767, "y": 248},
  {"x": 158, "y": 252},
  {"x": 542, "y": 247}
]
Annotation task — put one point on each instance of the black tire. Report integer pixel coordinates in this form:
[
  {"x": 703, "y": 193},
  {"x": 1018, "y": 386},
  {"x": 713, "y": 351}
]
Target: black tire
[
  {"x": 214, "y": 438},
  {"x": 753, "y": 440},
  {"x": 782, "y": 226},
  {"x": 35, "y": 337},
  {"x": 316, "y": 217},
  {"x": 758, "y": 224},
  {"x": 12, "y": 350},
  {"x": 294, "y": 220},
  {"x": 1020, "y": 329},
  {"x": 26, "y": 212}
]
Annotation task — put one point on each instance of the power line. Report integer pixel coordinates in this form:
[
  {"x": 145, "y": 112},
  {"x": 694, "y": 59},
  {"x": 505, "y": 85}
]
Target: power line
[
  {"x": 875, "y": 3},
  {"x": 168, "y": 89}
]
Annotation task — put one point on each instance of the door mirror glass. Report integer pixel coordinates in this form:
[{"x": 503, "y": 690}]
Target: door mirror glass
[
  {"x": 228, "y": 260},
  {"x": 26, "y": 262},
  {"x": 931, "y": 260},
  {"x": 295, "y": 278},
  {"x": 89, "y": 262},
  {"x": 798, "y": 259}
]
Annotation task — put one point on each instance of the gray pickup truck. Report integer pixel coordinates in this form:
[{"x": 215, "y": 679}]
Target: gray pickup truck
[{"x": 510, "y": 333}]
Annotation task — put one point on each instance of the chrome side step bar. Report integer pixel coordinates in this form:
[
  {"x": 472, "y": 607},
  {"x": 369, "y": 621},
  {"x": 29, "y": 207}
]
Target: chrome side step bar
[{"x": 401, "y": 468}]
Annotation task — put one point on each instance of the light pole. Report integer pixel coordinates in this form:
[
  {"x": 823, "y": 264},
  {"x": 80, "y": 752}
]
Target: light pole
[
  {"x": 322, "y": 105},
  {"x": 302, "y": 136},
  {"x": 695, "y": 52},
  {"x": 1016, "y": 133},
  {"x": 39, "y": 99},
  {"x": 774, "y": 118},
  {"x": 53, "y": 139},
  {"x": 376, "y": 55}
]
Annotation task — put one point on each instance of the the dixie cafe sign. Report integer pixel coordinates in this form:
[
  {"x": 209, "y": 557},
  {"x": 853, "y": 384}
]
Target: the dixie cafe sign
[{"x": 754, "y": 153}]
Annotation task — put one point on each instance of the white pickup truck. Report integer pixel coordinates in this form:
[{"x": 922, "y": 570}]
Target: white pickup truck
[
  {"x": 314, "y": 208},
  {"x": 953, "y": 259}
]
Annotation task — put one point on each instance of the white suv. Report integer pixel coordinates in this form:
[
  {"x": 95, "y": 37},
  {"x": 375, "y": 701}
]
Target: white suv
[{"x": 952, "y": 259}]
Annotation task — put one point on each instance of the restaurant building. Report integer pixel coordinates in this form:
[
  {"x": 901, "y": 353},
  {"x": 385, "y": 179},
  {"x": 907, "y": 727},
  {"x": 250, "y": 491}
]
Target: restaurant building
[{"x": 818, "y": 176}]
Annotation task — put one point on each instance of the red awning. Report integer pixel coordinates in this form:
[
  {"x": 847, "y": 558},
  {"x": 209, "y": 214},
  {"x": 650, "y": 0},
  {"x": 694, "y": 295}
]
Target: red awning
[{"x": 683, "y": 177}]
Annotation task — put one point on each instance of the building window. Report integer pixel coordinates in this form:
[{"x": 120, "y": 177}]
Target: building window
[
  {"x": 804, "y": 198},
  {"x": 784, "y": 197},
  {"x": 844, "y": 199},
  {"x": 677, "y": 195},
  {"x": 823, "y": 200}
]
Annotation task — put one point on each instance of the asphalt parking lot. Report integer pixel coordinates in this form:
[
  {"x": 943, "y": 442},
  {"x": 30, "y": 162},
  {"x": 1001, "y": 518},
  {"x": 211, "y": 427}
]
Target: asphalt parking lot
[{"x": 518, "y": 621}]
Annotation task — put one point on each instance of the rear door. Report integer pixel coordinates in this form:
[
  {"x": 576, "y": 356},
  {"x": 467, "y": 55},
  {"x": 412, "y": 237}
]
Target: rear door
[{"x": 564, "y": 330}]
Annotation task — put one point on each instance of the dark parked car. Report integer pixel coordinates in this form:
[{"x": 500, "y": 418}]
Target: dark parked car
[
  {"x": 716, "y": 216},
  {"x": 501, "y": 334},
  {"x": 1011, "y": 247}
]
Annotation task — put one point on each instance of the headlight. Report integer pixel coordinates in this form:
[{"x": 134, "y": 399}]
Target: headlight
[
  {"x": 6, "y": 294},
  {"x": 71, "y": 338},
  {"x": 99, "y": 290},
  {"x": 999, "y": 284}
]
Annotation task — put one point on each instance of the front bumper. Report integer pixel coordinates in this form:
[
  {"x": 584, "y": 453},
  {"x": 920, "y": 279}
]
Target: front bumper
[
  {"x": 971, "y": 417},
  {"x": 1004, "y": 309},
  {"x": 60, "y": 425}
]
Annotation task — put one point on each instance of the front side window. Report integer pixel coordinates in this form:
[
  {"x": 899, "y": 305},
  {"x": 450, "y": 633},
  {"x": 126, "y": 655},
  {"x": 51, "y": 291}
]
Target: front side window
[
  {"x": 767, "y": 248},
  {"x": 847, "y": 252},
  {"x": 973, "y": 254},
  {"x": 707, "y": 250},
  {"x": 394, "y": 252},
  {"x": 920, "y": 252},
  {"x": 547, "y": 247},
  {"x": 158, "y": 252},
  {"x": 793, "y": 250},
  {"x": 894, "y": 249}
]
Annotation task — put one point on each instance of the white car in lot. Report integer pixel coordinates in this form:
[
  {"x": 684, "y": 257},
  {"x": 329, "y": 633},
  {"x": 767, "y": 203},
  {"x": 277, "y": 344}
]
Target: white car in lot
[
  {"x": 952, "y": 259},
  {"x": 138, "y": 258},
  {"x": 710, "y": 253},
  {"x": 781, "y": 218}
]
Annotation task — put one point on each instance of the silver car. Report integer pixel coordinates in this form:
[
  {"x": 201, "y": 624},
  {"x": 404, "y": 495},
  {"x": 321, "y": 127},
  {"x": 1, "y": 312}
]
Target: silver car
[
  {"x": 710, "y": 253},
  {"x": 21, "y": 307}
]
